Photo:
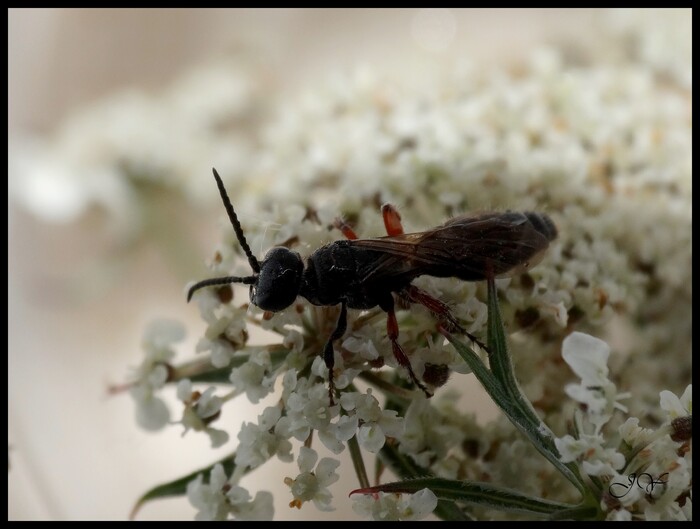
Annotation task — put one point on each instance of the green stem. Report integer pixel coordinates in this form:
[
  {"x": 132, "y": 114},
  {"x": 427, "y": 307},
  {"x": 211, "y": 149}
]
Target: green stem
[{"x": 357, "y": 462}]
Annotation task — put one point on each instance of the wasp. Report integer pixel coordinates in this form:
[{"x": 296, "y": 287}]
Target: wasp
[{"x": 366, "y": 273}]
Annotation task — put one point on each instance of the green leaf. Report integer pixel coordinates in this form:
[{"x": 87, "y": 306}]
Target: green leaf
[
  {"x": 477, "y": 493},
  {"x": 502, "y": 387},
  {"x": 499, "y": 357},
  {"x": 357, "y": 462}
]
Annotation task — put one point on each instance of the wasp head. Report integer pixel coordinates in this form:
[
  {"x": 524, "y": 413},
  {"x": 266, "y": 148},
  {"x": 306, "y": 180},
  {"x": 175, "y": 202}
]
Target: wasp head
[
  {"x": 275, "y": 282},
  {"x": 279, "y": 280}
]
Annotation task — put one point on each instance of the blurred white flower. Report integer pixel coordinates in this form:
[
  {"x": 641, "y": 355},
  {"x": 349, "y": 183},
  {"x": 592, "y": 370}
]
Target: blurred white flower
[
  {"x": 591, "y": 451},
  {"x": 428, "y": 436},
  {"x": 111, "y": 152},
  {"x": 259, "y": 442},
  {"x": 149, "y": 377},
  {"x": 390, "y": 506},
  {"x": 220, "y": 499}
]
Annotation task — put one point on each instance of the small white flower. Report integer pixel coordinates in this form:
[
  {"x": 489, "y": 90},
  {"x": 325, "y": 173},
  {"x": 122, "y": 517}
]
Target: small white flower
[
  {"x": 362, "y": 346},
  {"x": 634, "y": 435},
  {"x": 259, "y": 442},
  {"x": 390, "y": 506},
  {"x": 261, "y": 508},
  {"x": 596, "y": 459},
  {"x": 619, "y": 515},
  {"x": 375, "y": 423},
  {"x": 254, "y": 376},
  {"x": 677, "y": 407},
  {"x": 200, "y": 410},
  {"x": 308, "y": 408},
  {"x": 209, "y": 499},
  {"x": 588, "y": 356},
  {"x": 220, "y": 499},
  {"x": 312, "y": 484},
  {"x": 427, "y": 435},
  {"x": 225, "y": 334}
]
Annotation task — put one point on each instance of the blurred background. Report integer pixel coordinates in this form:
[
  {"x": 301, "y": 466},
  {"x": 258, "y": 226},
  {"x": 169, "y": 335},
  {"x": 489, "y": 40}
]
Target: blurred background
[{"x": 87, "y": 268}]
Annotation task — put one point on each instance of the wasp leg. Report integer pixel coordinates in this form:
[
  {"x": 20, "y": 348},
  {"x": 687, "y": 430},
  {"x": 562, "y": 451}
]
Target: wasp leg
[
  {"x": 392, "y": 220},
  {"x": 392, "y": 330},
  {"x": 392, "y": 223},
  {"x": 328, "y": 356},
  {"x": 345, "y": 228},
  {"x": 416, "y": 295}
]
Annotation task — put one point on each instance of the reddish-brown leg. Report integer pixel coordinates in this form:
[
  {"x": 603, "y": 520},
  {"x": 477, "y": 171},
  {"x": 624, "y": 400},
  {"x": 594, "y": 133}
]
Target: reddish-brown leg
[
  {"x": 392, "y": 220},
  {"x": 392, "y": 330},
  {"x": 345, "y": 228},
  {"x": 440, "y": 309},
  {"x": 392, "y": 223}
]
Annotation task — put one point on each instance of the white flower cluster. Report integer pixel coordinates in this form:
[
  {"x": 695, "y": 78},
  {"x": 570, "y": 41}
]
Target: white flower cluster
[
  {"x": 112, "y": 153},
  {"x": 661, "y": 38},
  {"x": 605, "y": 151},
  {"x": 655, "y": 482}
]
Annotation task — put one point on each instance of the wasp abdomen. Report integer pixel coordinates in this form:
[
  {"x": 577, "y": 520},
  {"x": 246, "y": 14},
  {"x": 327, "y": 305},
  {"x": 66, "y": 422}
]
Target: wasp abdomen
[{"x": 543, "y": 224}]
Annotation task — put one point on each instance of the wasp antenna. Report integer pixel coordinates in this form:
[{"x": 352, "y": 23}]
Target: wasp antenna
[
  {"x": 254, "y": 264},
  {"x": 219, "y": 281}
]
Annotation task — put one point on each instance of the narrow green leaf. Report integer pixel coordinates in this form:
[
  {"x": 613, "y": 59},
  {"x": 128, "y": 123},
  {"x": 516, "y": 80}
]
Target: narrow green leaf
[
  {"x": 357, "y": 462},
  {"x": 505, "y": 391},
  {"x": 481, "y": 372},
  {"x": 499, "y": 357},
  {"x": 478, "y": 493},
  {"x": 517, "y": 407}
]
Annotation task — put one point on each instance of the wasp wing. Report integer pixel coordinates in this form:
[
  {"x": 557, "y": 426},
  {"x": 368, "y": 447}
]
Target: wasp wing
[{"x": 471, "y": 248}]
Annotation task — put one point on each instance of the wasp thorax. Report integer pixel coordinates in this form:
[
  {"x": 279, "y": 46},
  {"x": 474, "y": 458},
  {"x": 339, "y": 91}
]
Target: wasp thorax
[{"x": 279, "y": 280}]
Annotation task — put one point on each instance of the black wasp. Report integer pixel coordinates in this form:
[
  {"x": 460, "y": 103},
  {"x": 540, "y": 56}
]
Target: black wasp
[{"x": 365, "y": 273}]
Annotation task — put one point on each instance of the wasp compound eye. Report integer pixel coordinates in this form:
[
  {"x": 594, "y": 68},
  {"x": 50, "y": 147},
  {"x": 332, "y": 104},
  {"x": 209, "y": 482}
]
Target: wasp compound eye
[{"x": 279, "y": 281}]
